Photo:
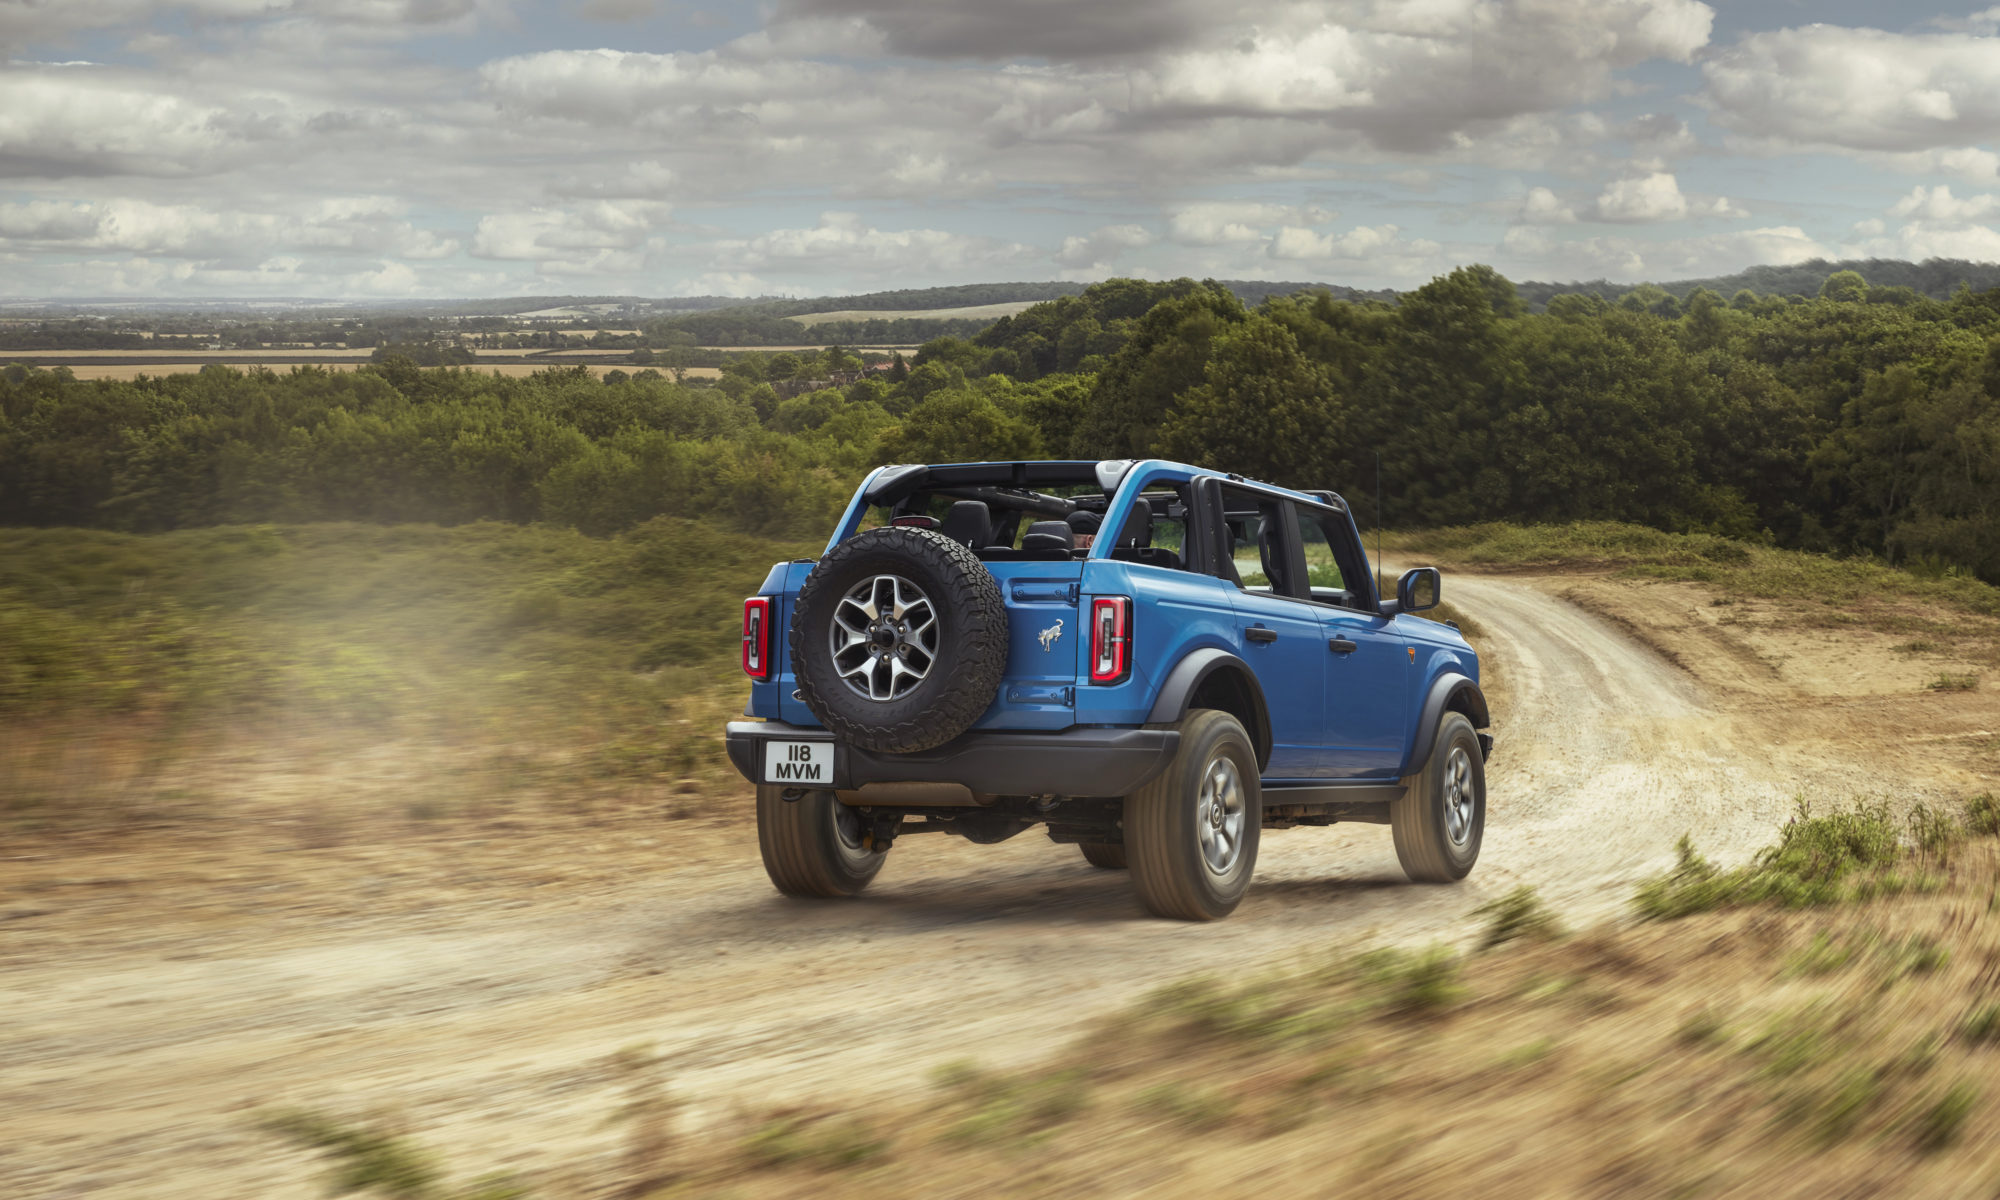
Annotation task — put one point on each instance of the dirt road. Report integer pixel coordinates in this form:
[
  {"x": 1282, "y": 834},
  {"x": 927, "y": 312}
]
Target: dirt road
[{"x": 133, "y": 1061}]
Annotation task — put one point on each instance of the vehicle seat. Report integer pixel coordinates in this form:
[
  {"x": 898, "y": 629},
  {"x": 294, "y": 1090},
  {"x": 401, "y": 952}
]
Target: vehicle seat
[
  {"x": 1268, "y": 542},
  {"x": 1049, "y": 535},
  {"x": 969, "y": 522},
  {"x": 1138, "y": 529},
  {"x": 1135, "y": 540}
]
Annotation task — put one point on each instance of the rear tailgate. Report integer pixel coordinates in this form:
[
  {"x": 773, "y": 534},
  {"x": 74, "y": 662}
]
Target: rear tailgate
[{"x": 1044, "y": 636}]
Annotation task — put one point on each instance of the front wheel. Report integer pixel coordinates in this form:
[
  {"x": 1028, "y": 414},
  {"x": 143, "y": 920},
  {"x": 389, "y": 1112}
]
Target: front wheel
[
  {"x": 1191, "y": 832},
  {"x": 814, "y": 846},
  {"x": 1441, "y": 818}
]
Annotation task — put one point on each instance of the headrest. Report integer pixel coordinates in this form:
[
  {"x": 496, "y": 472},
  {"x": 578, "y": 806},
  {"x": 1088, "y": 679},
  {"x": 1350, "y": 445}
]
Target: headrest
[
  {"x": 1138, "y": 530},
  {"x": 1049, "y": 535},
  {"x": 1268, "y": 542},
  {"x": 969, "y": 522}
]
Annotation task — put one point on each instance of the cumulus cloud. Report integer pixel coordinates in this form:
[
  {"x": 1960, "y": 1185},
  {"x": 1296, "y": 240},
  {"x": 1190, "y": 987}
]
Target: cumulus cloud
[
  {"x": 1101, "y": 248},
  {"x": 1528, "y": 252},
  {"x": 1653, "y": 197},
  {"x": 1233, "y": 222},
  {"x": 843, "y": 244},
  {"x": 347, "y": 225},
  {"x": 1939, "y": 206},
  {"x": 1361, "y": 243},
  {"x": 1542, "y": 207},
  {"x": 1857, "y": 89}
]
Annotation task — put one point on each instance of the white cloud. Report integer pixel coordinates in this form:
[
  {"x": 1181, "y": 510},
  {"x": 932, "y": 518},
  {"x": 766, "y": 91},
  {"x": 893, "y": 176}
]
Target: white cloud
[
  {"x": 349, "y": 224},
  {"x": 1937, "y": 205},
  {"x": 1298, "y": 244},
  {"x": 1228, "y": 222},
  {"x": 1654, "y": 197},
  {"x": 843, "y": 244},
  {"x": 572, "y": 238},
  {"x": 1542, "y": 207},
  {"x": 1857, "y": 89},
  {"x": 1103, "y": 247},
  {"x": 1527, "y": 252}
]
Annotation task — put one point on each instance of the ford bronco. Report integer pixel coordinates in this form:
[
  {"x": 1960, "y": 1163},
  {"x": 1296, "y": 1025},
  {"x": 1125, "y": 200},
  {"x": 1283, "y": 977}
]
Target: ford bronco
[{"x": 1154, "y": 661}]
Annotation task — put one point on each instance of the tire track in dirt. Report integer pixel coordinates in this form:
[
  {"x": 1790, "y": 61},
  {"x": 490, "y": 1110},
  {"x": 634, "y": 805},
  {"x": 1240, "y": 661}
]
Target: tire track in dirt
[{"x": 492, "y": 1031}]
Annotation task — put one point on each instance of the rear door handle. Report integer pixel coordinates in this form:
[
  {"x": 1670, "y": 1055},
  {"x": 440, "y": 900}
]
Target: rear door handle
[
  {"x": 1257, "y": 633},
  {"x": 1341, "y": 646}
]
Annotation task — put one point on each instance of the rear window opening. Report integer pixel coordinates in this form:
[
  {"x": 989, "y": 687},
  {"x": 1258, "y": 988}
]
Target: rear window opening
[{"x": 1050, "y": 524}]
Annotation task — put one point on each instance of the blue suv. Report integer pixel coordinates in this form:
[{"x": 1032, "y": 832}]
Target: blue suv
[{"x": 1153, "y": 661}]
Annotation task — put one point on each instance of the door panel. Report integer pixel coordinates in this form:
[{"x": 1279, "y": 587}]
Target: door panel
[
  {"x": 1367, "y": 687},
  {"x": 1283, "y": 643},
  {"x": 1367, "y": 692},
  {"x": 1282, "y": 637}
]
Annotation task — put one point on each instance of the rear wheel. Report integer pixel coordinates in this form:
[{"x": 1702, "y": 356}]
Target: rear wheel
[
  {"x": 815, "y": 845},
  {"x": 1108, "y": 855},
  {"x": 1439, "y": 822},
  {"x": 1191, "y": 833}
]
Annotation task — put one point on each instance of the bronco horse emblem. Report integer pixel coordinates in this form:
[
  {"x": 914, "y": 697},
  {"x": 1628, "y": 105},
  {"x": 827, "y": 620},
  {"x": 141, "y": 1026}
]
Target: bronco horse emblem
[{"x": 1050, "y": 635}]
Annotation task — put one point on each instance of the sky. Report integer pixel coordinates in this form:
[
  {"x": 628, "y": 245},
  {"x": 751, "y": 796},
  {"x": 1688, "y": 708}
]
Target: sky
[{"x": 363, "y": 149}]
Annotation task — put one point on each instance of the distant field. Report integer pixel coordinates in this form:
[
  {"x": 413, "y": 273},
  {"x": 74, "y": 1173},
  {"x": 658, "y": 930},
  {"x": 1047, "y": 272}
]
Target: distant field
[
  {"x": 118, "y": 370},
  {"x": 977, "y": 312},
  {"x": 794, "y": 348},
  {"x": 295, "y": 354}
]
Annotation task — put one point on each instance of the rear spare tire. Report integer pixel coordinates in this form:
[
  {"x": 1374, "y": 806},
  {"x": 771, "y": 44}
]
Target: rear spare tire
[{"x": 899, "y": 639}]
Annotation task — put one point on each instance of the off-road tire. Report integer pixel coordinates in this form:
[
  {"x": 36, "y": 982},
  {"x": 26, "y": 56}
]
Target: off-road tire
[
  {"x": 804, "y": 852},
  {"x": 1108, "y": 855},
  {"x": 1420, "y": 821},
  {"x": 1162, "y": 835},
  {"x": 972, "y": 642}
]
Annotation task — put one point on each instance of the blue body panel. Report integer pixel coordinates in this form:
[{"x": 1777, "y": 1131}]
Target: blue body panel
[{"x": 1333, "y": 716}]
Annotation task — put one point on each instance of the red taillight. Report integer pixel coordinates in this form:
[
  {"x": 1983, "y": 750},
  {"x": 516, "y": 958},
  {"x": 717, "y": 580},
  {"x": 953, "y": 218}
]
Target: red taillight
[
  {"x": 1110, "y": 639},
  {"x": 757, "y": 637}
]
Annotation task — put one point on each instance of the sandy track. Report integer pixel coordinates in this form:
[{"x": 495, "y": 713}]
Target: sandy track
[{"x": 131, "y": 1067}]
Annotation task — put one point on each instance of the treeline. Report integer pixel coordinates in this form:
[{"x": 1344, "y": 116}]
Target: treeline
[
  {"x": 1836, "y": 423},
  {"x": 744, "y": 327},
  {"x": 1937, "y": 278}
]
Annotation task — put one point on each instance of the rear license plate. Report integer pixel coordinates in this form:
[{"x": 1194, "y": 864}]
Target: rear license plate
[{"x": 798, "y": 762}]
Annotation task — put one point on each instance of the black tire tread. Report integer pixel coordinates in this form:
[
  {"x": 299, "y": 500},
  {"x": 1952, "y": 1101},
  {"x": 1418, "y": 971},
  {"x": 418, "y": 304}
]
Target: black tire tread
[
  {"x": 1109, "y": 856},
  {"x": 794, "y": 839},
  {"x": 1162, "y": 872},
  {"x": 1416, "y": 829},
  {"x": 978, "y": 621}
]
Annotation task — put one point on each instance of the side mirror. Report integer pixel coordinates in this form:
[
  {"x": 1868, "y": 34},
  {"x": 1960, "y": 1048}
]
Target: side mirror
[{"x": 1419, "y": 589}]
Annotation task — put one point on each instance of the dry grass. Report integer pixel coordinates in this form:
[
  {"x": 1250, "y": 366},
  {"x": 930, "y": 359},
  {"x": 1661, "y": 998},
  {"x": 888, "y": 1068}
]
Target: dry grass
[{"x": 1771, "y": 1051}]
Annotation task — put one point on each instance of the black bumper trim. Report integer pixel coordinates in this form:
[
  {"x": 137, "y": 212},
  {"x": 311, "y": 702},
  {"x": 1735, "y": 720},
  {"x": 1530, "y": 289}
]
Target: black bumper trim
[{"x": 1074, "y": 762}]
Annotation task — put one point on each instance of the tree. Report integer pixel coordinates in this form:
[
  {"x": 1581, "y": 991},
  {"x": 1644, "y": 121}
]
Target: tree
[
  {"x": 1844, "y": 287},
  {"x": 1261, "y": 409}
]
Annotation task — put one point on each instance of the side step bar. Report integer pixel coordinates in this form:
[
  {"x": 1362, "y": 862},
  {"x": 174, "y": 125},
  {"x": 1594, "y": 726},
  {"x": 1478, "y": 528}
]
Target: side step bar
[{"x": 1328, "y": 803}]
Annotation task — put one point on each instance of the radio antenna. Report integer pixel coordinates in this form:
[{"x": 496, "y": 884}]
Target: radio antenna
[{"x": 1378, "y": 524}]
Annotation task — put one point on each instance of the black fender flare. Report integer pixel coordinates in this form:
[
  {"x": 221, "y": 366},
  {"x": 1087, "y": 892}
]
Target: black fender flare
[
  {"x": 1450, "y": 690},
  {"x": 1195, "y": 669}
]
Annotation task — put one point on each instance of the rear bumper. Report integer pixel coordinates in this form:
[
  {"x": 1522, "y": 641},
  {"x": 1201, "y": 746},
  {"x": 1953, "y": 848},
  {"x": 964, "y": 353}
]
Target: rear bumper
[{"x": 1074, "y": 762}]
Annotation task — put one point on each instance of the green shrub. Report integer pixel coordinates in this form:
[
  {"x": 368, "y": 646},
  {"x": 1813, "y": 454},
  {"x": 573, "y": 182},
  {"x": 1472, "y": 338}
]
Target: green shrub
[
  {"x": 1818, "y": 860},
  {"x": 1518, "y": 914}
]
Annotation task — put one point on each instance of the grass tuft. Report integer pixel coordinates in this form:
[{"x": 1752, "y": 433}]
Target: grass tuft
[
  {"x": 1939, "y": 1125},
  {"x": 821, "y": 1142},
  {"x": 1518, "y": 914},
  {"x": 370, "y": 1159},
  {"x": 1982, "y": 815},
  {"x": 1948, "y": 682},
  {"x": 1849, "y": 855}
]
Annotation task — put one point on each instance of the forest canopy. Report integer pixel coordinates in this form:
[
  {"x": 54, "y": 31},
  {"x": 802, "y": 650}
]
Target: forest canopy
[{"x": 1862, "y": 419}]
